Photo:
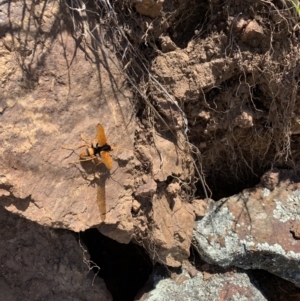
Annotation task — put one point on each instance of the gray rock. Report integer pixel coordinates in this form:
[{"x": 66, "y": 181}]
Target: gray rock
[
  {"x": 255, "y": 229},
  {"x": 201, "y": 285}
]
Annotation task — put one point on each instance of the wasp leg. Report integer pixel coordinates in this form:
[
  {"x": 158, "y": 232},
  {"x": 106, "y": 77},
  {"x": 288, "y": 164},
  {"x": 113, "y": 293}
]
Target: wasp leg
[
  {"x": 73, "y": 149},
  {"x": 83, "y": 159},
  {"x": 87, "y": 159},
  {"x": 100, "y": 162}
]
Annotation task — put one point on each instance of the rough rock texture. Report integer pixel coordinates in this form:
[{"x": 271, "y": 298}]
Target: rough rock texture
[
  {"x": 207, "y": 284},
  {"x": 238, "y": 87},
  {"x": 52, "y": 95},
  {"x": 255, "y": 229},
  {"x": 165, "y": 218},
  {"x": 200, "y": 207},
  {"x": 151, "y": 8},
  {"x": 54, "y": 90},
  {"x": 39, "y": 263},
  {"x": 213, "y": 103}
]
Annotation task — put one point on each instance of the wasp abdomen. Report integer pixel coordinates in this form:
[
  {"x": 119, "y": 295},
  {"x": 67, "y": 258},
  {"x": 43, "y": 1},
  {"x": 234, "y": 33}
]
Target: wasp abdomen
[{"x": 88, "y": 152}]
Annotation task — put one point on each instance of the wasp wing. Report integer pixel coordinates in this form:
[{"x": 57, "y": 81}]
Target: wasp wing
[
  {"x": 106, "y": 159},
  {"x": 101, "y": 139}
]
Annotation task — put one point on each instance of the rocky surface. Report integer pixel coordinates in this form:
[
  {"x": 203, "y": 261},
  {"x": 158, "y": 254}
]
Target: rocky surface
[
  {"x": 255, "y": 229},
  {"x": 151, "y": 8},
  {"x": 205, "y": 284},
  {"x": 197, "y": 99},
  {"x": 165, "y": 219},
  {"x": 238, "y": 90},
  {"x": 56, "y": 91},
  {"x": 40, "y": 263}
]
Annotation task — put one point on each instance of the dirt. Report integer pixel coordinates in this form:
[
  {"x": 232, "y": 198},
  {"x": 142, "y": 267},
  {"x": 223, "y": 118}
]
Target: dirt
[
  {"x": 204, "y": 95},
  {"x": 233, "y": 69},
  {"x": 238, "y": 86},
  {"x": 231, "y": 74}
]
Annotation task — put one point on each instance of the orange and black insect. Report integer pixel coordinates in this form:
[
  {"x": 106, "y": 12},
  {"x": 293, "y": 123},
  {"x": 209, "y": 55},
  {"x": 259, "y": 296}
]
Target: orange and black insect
[{"x": 99, "y": 147}]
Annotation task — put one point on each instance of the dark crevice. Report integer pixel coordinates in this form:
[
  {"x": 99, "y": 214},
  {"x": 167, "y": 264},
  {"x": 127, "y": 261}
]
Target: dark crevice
[
  {"x": 190, "y": 22},
  {"x": 125, "y": 268},
  {"x": 222, "y": 187},
  {"x": 273, "y": 287}
]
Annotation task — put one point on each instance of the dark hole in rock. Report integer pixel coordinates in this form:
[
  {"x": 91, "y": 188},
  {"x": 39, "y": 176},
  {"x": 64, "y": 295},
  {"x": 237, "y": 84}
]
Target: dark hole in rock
[
  {"x": 272, "y": 287},
  {"x": 124, "y": 268},
  {"x": 222, "y": 187},
  {"x": 191, "y": 21}
]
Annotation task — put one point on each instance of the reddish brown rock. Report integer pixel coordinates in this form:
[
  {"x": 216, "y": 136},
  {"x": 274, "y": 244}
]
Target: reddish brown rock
[
  {"x": 295, "y": 229},
  {"x": 172, "y": 234},
  {"x": 67, "y": 92},
  {"x": 166, "y": 44},
  {"x": 199, "y": 207},
  {"x": 60, "y": 99},
  {"x": 136, "y": 206},
  {"x": 244, "y": 119},
  {"x": 238, "y": 23},
  {"x": 253, "y": 34},
  {"x": 148, "y": 188},
  {"x": 168, "y": 218},
  {"x": 151, "y": 8},
  {"x": 187, "y": 72},
  {"x": 270, "y": 179}
]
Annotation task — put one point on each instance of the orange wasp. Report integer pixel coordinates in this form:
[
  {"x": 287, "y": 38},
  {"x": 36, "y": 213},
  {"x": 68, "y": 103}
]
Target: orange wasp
[{"x": 99, "y": 147}]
